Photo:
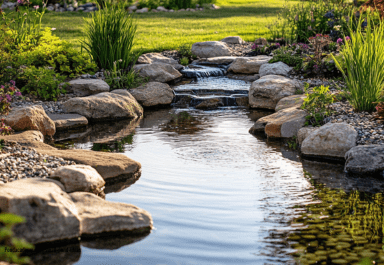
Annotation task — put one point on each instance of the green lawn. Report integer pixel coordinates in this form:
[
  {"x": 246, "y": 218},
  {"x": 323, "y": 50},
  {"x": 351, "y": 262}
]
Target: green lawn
[{"x": 163, "y": 31}]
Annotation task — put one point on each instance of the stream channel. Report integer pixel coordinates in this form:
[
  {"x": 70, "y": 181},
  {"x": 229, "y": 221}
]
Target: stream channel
[{"x": 219, "y": 195}]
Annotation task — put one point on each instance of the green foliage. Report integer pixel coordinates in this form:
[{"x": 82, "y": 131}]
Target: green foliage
[
  {"x": 42, "y": 82},
  {"x": 109, "y": 37},
  {"x": 120, "y": 79},
  {"x": 289, "y": 59},
  {"x": 184, "y": 61},
  {"x": 364, "y": 62},
  {"x": 184, "y": 51},
  {"x": 292, "y": 143},
  {"x": 316, "y": 104},
  {"x": 8, "y": 241}
]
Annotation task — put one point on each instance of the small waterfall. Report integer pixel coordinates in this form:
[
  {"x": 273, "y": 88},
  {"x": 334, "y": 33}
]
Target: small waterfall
[{"x": 200, "y": 71}]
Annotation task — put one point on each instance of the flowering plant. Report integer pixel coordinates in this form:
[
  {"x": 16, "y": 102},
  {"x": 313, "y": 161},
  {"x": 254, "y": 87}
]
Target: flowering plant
[
  {"x": 7, "y": 93},
  {"x": 265, "y": 49}
]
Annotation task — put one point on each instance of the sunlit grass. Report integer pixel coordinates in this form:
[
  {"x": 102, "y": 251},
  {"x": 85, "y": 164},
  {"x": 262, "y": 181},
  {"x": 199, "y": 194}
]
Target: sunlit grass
[{"x": 163, "y": 31}]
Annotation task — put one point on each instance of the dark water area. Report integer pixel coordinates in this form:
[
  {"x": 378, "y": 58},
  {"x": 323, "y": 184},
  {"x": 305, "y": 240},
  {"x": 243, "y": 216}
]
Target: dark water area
[{"x": 219, "y": 195}]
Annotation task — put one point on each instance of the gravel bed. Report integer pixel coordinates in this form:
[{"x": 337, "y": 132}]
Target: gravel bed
[{"x": 19, "y": 162}]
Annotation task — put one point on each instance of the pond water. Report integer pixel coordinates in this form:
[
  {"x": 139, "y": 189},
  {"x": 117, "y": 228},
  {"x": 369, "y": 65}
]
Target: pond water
[{"x": 219, "y": 195}]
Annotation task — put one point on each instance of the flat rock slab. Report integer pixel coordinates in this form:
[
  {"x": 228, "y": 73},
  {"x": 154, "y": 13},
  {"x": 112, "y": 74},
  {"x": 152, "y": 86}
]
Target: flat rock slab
[
  {"x": 86, "y": 87},
  {"x": 105, "y": 106},
  {"x": 67, "y": 121},
  {"x": 290, "y": 102},
  {"x": 248, "y": 65},
  {"x": 49, "y": 212},
  {"x": 149, "y": 58},
  {"x": 267, "y": 91},
  {"x": 100, "y": 216},
  {"x": 283, "y": 124},
  {"x": 210, "y": 49},
  {"x": 233, "y": 40},
  {"x": 365, "y": 160},
  {"x": 278, "y": 68},
  {"x": 331, "y": 140},
  {"x": 79, "y": 178},
  {"x": 108, "y": 165},
  {"x": 153, "y": 94},
  {"x": 30, "y": 118},
  {"x": 158, "y": 72}
]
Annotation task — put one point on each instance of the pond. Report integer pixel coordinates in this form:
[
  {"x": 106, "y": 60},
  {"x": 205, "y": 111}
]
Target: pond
[{"x": 219, "y": 195}]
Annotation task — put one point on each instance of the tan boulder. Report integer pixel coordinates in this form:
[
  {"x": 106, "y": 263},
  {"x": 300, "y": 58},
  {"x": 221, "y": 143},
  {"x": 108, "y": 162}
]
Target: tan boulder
[
  {"x": 248, "y": 65},
  {"x": 158, "y": 72},
  {"x": 290, "y": 102},
  {"x": 278, "y": 68},
  {"x": 153, "y": 94},
  {"x": 261, "y": 41},
  {"x": 86, "y": 87},
  {"x": 217, "y": 60},
  {"x": 233, "y": 40},
  {"x": 149, "y": 58},
  {"x": 105, "y": 106},
  {"x": 49, "y": 212},
  {"x": 79, "y": 178},
  {"x": 100, "y": 216},
  {"x": 210, "y": 49},
  {"x": 267, "y": 91},
  {"x": 30, "y": 118},
  {"x": 331, "y": 140}
]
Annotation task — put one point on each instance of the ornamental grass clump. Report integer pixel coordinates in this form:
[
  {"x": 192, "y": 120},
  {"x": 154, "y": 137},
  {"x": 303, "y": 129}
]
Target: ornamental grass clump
[
  {"x": 109, "y": 37},
  {"x": 364, "y": 62}
]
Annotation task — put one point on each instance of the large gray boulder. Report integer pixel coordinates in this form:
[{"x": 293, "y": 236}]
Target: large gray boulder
[
  {"x": 149, "y": 58},
  {"x": 267, "y": 91},
  {"x": 304, "y": 132},
  {"x": 100, "y": 216},
  {"x": 248, "y": 65},
  {"x": 283, "y": 124},
  {"x": 105, "y": 106},
  {"x": 158, "y": 72},
  {"x": 278, "y": 68},
  {"x": 49, "y": 212},
  {"x": 233, "y": 40},
  {"x": 331, "y": 140},
  {"x": 86, "y": 87},
  {"x": 67, "y": 121},
  {"x": 153, "y": 94},
  {"x": 365, "y": 160},
  {"x": 79, "y": 178},
  {"x": 210, "y": 49},
  {"x": 30, "y": 118}
]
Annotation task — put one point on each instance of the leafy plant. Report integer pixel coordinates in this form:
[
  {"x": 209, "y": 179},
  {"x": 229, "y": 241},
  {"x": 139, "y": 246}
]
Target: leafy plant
[
  {"x": 364, "y": 62},
  {"x": 109, "y": 38},
  {"x": 184, "y": 51},
  {"x": 316, "y": 104},
  {"x": 42, "y": 82},
  {"x": 120, "y": 79},
  {"x": 9, "y": 242},
  {"x": 289, "y": 59},
  {"x": 7, "y": 93},
  {"x": 184, "y": 61},
  {"x": 292, "y": 143}
]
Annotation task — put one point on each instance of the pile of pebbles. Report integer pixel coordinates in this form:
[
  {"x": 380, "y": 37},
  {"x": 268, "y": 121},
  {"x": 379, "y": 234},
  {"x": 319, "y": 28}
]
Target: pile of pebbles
[
  {"x": 54, "y": 107},
  {"x": 19, "y": 162}
]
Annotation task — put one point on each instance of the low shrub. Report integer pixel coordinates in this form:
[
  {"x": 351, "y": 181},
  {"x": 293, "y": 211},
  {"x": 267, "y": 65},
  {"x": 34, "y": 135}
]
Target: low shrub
[
  {"x": 364, "y": 63},
  {"x": 292, "y": 60},
  {"x": 316, "y": 104},
  {"x": 120, "y": 79},
  {"x": 184, "y": 61},
  {"x": 8, "y": 241},
  {"x": 184, "y": 51}
]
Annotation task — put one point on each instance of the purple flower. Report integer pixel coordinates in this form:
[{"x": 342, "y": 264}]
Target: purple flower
[
  {"x": 253, "y": 46},
  {"x": 12, "y": 82},
  {"x": 36, "y": 7},
  {"x": 20, "y": 2},
  {"x": 339, "y": 40},
  {"x": 2, "y": 87},
  {"x": 347, "y": 38},
  {"x": 277, "y": 44},
  {"x": 9, "y": 98},
  {"x": 18, "y": 94}
]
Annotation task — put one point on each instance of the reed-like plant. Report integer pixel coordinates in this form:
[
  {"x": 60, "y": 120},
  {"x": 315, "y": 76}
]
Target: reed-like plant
[
  {"x": 110, "y": 37},
  {"x": 364, "y": 62}
]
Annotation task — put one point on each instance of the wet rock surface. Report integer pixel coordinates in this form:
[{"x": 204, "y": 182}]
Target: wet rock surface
[
  {"x": 66, "y": 121},
  {"x": 153, "y": 94}
]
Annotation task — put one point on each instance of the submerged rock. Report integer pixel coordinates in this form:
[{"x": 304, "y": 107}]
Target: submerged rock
[
  {"x": 278, "y": 68},
  {"x": 210, "y": 49},
  {"x": 149, "y": 58},
  {"x": 49, "y": 212},
  {"x": 100, "y": 216},
  {"x": 331, "y": 140},
  {"x": 79, "y": 178},
  {"x": 248, "y": 65},
  {"x": 267, "y": 91},
  {"x": 365, "y": 160},
  {"x": 233, "y": 40},
  {"x": 212, "y": 103},
  {"x": 30, "y": 118},
  {"x": 105, "y": 106},
  {"x": 86, "y": 87},
  {"x": 67, "y": 121},
  {"x": 158, "y": 72},
  {"x": 153, "y": 94}
]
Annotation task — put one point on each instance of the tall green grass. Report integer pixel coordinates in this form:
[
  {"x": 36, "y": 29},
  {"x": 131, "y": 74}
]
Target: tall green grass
[
  {"x": 109, "y": 37},
  {"x": 364, "y": 62}
]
